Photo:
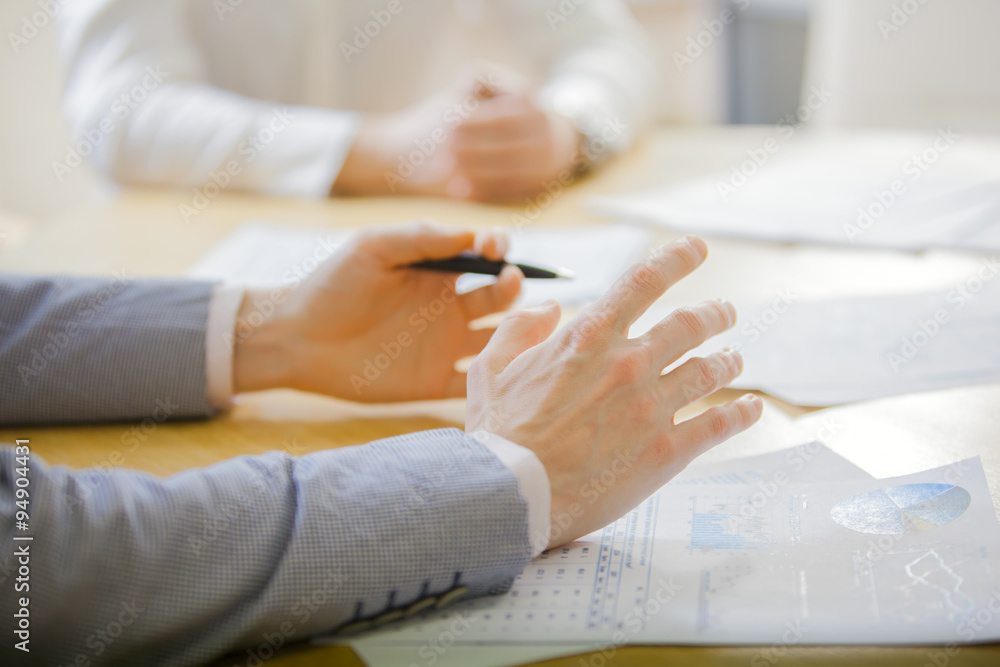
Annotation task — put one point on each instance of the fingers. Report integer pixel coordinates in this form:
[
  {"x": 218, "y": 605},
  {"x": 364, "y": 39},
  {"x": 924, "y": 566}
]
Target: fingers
[
  {"x": 494, "y": 298},
  {"x": 492, "y": 244},
  {"x": 398, "y": 245},
  {"x": 520, "y": 331},
  {"x": 646, "y": 282},
  {"x": 686, "y": 328},
  {"x": 500, "y": 120},
  {"x": 484, "y": 161},
  {"x": 699, "y": 377},
  {"x": 719, "y": 423}
]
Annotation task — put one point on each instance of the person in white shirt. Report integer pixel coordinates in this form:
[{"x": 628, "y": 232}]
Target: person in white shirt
[{"x": 482, "y": 99}]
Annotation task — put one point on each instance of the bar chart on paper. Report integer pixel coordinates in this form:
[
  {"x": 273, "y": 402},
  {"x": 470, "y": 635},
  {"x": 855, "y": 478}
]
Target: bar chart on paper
[{"x": 722, "y": 522}]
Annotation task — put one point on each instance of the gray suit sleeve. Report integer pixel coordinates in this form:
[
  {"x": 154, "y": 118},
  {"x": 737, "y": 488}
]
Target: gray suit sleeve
[
  {"x": 92, "y": 349},
  {"x": 126, "y": 568}
]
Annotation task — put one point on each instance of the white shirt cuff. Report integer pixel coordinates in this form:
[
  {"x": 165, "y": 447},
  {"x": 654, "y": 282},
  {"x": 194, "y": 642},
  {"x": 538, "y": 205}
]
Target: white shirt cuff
[
  {"x": 533, "y": 482},
  {"x": 219, "y": 330}
]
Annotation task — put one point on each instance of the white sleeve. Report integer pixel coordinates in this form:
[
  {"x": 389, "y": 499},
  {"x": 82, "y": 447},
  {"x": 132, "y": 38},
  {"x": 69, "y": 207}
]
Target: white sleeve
[
  {"x": 220, "y": 332},
  {"x": 141, "y": 109},
  {"x": 532, "y": 481}
]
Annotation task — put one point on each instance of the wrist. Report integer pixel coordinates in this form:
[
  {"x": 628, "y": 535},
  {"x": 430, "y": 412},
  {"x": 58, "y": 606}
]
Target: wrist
[
  {"x": 262, "y": 341},
  {"x": 368, "y": 160}
]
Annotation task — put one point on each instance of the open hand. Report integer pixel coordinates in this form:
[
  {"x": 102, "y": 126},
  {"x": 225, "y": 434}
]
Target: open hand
[{"x": 593, "y": 404}]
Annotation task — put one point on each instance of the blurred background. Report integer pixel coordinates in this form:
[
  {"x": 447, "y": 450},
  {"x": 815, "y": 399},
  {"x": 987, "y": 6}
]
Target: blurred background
[{"x": 755, "y": 71}]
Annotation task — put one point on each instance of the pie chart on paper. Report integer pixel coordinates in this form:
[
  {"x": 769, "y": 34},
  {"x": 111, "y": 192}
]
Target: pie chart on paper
[{"x": 902, "y": 510}]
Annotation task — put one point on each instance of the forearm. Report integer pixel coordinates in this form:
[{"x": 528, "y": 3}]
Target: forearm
[
  {"x": 197, "y": 136},
  {"x": 368, "y": 160},
  {"x": 91, "y": 349},
  {"x": 269, "y": 544}
]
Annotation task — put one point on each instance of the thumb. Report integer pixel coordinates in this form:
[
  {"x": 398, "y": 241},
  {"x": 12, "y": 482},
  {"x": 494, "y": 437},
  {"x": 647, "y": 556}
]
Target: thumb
[
  {"x": 399, "y": 245},
  {"x": 520, "y": 331}
]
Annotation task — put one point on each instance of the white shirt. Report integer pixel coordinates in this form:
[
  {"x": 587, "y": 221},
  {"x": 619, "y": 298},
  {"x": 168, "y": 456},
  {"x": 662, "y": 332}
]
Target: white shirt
[{"x": 179, "y": 91}]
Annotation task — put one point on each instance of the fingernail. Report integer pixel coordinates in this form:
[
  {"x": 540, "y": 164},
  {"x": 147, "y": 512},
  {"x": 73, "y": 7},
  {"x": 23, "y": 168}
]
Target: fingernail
[
  {"x": 510, "y": 270},
  {"x": 696, "y": 243},
  {"x": 501, "y": 240},
  {"x": 752, "y": 399},
  {"x": 548, "y": 305}
]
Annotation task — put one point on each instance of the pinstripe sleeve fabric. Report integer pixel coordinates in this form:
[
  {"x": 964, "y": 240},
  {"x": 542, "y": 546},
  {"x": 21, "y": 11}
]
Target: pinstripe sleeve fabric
[
  {"x": 127, "y": 568},
  {"x": 92, "y": 349}
]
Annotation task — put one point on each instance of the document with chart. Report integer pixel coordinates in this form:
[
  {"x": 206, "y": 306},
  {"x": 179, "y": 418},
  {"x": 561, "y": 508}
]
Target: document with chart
[{"x": 751, "y": 554}]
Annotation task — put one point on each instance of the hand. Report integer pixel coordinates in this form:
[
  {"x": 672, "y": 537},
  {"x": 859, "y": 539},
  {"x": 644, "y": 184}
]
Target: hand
[
  {"x": 365, "y": 327},
  {"x": 508, "y": 149},
  {"x": 474, "y": 140},
  {"x": 592, "y": 403}
]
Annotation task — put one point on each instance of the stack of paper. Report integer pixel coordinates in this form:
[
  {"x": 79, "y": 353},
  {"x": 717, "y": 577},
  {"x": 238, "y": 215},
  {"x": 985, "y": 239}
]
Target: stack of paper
[
  {"x": 907, "y": 192},
  {"x": 794, "y": 547},
  {"x": 267, "y": 254}
]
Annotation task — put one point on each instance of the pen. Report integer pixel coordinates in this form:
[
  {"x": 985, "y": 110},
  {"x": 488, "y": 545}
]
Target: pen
[{"x": 469, "y": 263}]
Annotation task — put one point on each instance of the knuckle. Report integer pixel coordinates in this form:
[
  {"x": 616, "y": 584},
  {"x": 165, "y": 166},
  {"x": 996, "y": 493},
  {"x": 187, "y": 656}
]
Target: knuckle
[
  {"x": 626, "y": 369},
  {"x": 647, "y": 409},
  {"x": 691, "y": 322},
  {"x": 718, "y": 424},
  {"x": 588, "y": 330},
  {"x": 518, "y": 318},
  {"x": 647, "y": 277},
  {"x": 704, "y": 373},
  {"x": 720, "y": 313}
]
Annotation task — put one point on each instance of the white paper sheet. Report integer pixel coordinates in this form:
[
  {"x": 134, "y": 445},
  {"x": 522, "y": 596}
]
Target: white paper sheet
[
  {"x": 267, "y": 254},
  {"x": 910, "y": 560},
  {"x": 805, "y": 464},
  {"x": 894, "y": 192},
  {"x": 846, "y": 350}
]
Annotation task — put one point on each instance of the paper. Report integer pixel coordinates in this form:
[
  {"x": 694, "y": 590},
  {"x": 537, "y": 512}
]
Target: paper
[
  {"x": 910, "y": 560},
  {"x": 909, "y": 192},
  {"x": 844, "y": 350},
  {"x": 265, "y": 254},
  {"x": 810, "y": 462}
]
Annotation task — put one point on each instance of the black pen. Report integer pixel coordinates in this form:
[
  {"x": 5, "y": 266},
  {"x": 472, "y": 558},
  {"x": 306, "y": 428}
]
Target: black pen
[{"x": 470, "y": 263}]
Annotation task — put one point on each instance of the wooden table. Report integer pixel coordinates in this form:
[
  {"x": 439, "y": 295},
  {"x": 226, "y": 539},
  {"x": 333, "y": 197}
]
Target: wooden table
[{"x": 141, "y": 232}]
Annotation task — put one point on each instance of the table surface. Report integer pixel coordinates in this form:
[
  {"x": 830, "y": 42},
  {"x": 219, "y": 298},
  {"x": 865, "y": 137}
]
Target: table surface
[{"x": 141, "y": 232}]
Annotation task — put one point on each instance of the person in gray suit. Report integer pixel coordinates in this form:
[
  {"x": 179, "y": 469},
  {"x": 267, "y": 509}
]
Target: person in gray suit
[{"x": 119, "y": 566}]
